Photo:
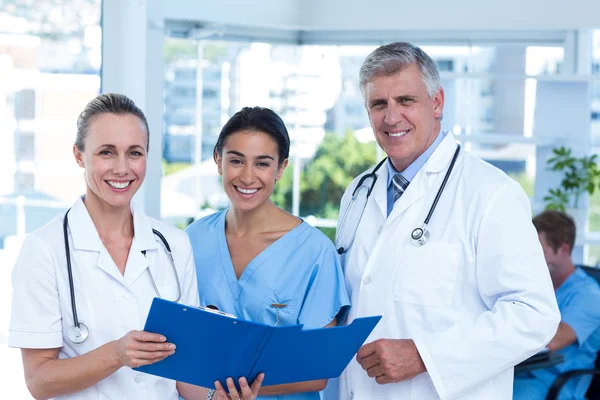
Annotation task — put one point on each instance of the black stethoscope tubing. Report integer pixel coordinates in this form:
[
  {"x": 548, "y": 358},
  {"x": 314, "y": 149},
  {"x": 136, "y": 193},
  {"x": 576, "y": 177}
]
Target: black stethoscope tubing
[
  {"x": 441, "y": 189},
  {"x": 418, "y": 233},
  {"x": 372, "y": 175},
  {"x": 70, "y": 270}
]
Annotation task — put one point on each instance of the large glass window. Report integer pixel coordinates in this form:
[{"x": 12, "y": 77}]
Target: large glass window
[
  {"x": 315, "y": 90},
  {"x": 50, "y": 53},
  {"x": 596, "y": 52}
]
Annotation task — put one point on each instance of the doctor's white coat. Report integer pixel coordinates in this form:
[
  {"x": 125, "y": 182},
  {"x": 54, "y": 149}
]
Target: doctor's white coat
[{"x": 476, "y": 299}]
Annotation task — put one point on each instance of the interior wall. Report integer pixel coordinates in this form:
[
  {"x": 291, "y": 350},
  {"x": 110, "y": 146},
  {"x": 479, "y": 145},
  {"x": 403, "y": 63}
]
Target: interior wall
[
  {"x": 280, "y": 14},
  {"x": 385, "y": 15},
  {"x": 449, "y": 15}
]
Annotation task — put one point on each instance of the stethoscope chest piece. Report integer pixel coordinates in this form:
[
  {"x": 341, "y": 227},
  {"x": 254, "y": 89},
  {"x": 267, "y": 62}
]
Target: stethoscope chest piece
[
  {"x": 78, "y": 334},
  {"x": 419, "y": 236}
]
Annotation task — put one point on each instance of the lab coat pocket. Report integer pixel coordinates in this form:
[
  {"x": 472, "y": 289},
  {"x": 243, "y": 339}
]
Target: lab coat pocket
[
  {"x": 427, "y": 275},
  {"x": 280, "y": 310}
]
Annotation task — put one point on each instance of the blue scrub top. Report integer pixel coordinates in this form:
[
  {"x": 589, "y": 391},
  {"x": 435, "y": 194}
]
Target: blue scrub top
[
  {"x": 578, "y": 301},
  {"x": 301, "y": 270}
]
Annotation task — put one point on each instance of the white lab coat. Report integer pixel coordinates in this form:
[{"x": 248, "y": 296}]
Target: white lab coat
[
  {"x": 476, "y": 299},
  {"x": 109, "y": 303}
]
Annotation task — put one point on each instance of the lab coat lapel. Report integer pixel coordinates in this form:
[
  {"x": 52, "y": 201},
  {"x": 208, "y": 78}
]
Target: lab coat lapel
[
  {"x": 416, "y": 190},
  {"x": 143, "y": 240},
  {"x": 107, "y": 264},
  {"x": 86, "y": 239},
  {"x": 83, "y": 231},
  {"x": 441, "y": 157},
  {"x": 379, "y": 192},
  {"x": 422, "y": 183}
]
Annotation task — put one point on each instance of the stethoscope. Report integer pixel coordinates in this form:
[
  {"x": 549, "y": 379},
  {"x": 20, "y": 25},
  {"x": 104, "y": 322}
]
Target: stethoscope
[
  {"x": 79, "y": 332},
  {"x": 419, "y": 236}
]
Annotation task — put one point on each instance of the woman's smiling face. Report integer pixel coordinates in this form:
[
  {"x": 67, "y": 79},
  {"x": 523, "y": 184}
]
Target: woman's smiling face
[
  {"x": 249, "y": 165},
  {"x": 114, "y": 157}
]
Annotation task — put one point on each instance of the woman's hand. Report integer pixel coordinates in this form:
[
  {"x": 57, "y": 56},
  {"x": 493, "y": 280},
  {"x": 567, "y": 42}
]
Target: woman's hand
[
  {"x": 247, "y": 392},
  {"x": 139, "y": 348}
]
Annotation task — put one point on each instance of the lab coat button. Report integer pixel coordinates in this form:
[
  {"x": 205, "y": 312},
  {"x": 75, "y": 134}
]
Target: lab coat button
[
  {"x": 139, "y": 378},
  {"x": 126, "y": 295},
  {"x": 367, "y": 280},
  {"x": 351, "y": 395},
  {"x": 380, "y": 229}
]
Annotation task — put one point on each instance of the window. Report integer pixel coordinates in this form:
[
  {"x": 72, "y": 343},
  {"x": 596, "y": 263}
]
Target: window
[
  {"x": 25, "y": 146},
  {"x": 50, "y": 56},
  {"x": 25, "y": 182},
  {"x": 592, "y": 255},
  {"x": 596, "y": 52},
  {"x": 315, "y": 90}
]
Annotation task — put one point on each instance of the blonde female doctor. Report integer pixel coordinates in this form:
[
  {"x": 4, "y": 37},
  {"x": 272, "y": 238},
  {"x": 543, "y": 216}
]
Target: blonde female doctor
[{"x": 83, "y": 283}]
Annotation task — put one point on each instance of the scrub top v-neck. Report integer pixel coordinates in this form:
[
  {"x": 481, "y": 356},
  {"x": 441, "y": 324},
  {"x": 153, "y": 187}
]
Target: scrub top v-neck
[{"x": 300, "y": 272}]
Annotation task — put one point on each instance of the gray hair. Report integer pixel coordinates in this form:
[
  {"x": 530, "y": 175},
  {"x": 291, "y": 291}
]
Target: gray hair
[
  {"x": 107, "y": 103},
  {"x": 388, "y": 59}
]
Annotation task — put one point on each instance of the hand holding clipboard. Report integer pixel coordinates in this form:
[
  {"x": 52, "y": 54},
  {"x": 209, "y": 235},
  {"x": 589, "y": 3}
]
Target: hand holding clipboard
[{"x": 212, "y": 347}]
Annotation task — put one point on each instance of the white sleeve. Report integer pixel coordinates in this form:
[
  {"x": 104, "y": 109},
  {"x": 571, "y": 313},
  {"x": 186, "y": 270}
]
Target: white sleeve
[
  {"x": 189, "y": 284},
  {"x": 36, "y": 318},
  {"x": 513, "y": 280}
]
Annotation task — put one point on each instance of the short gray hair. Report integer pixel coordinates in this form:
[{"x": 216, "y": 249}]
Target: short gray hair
[
  {"x": 107, "y": 103},
  {"x": 391, "y": 58}
]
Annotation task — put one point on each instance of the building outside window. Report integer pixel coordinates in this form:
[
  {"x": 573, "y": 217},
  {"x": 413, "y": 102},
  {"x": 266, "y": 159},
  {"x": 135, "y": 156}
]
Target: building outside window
[{"x": 50, "y": 55}]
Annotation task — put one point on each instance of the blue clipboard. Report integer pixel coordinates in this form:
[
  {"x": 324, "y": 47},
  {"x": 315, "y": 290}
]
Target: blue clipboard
[{"x": 213, "y": 347}]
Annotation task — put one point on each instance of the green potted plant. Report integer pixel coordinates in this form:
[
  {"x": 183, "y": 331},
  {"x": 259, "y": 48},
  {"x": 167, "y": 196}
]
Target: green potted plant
[{"x": 580, "y": 175}]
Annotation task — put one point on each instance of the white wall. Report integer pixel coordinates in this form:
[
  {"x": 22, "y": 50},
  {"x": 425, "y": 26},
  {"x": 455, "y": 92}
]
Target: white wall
[
  {"x": 443, "y": 14},
  {"x": 132, "y": 64},
  {"x": 282, "y": 14},
  {"x": 386, "y": 15}
]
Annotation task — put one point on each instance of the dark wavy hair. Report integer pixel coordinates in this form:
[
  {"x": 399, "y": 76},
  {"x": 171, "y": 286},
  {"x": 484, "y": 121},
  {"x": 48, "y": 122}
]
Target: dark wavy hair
[{"x": 257, "y": 119}]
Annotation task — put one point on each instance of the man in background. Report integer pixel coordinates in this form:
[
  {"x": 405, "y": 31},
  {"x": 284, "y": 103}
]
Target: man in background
[{"x": 578, "y": 297}]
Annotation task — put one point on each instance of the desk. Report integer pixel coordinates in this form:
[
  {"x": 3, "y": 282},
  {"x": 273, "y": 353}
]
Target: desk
[{"x": 538, "y": 361}]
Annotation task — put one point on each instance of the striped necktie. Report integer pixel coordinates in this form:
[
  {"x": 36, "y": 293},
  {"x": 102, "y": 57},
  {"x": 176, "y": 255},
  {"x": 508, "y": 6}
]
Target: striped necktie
[{"x": 400, "y": 185}]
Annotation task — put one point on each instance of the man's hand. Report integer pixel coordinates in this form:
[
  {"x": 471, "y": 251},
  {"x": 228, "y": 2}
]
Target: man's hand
[{"x": 391, "y": 360}]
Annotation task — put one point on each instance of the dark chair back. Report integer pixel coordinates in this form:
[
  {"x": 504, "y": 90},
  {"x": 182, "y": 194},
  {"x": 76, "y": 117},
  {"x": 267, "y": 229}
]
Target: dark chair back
[
  {"x": 592, "y": 271},
  {"x": 594, "y": 389}
]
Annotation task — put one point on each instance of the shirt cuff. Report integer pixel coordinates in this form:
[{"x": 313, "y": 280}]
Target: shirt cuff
[
  {"x": 35, "y": 340},
  {"x": 436, "y": 380},
  {"x": 580, "y": 337}
]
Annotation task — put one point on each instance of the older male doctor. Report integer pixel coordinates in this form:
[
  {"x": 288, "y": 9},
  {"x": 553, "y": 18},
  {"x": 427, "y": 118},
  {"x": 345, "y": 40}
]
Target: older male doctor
[{"x": 471, "y": 299}]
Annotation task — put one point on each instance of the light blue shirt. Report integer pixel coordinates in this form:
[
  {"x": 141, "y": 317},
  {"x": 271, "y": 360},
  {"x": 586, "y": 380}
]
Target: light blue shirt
[
  {"x": 301, "y": 270},
  {"x": 578, "y": 301},
  {"x": 410, "y": 172}
]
